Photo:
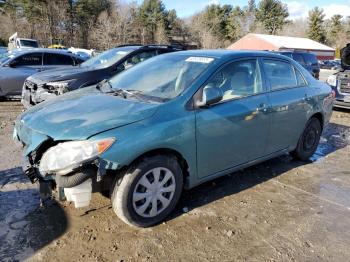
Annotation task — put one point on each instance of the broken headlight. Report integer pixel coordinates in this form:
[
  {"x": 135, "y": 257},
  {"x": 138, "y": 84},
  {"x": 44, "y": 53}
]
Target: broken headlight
[
  {"x": 59, "y": 87},
  {"x": 64, "y": 157},
  {"x": 332, "y": 80}
]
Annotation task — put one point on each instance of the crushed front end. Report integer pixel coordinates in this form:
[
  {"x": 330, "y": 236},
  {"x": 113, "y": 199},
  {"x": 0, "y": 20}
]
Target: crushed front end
[
  {"x": 35, "y": 93},
  {"x": 71, "y": 170}
]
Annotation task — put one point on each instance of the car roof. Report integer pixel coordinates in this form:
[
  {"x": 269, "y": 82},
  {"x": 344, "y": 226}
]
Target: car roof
[
  {"x": 41, "y": 50},
  {"x": 134, "y": 47},
  {"x": 229, "y": 54},
  {"x": 296, "y": 52}
]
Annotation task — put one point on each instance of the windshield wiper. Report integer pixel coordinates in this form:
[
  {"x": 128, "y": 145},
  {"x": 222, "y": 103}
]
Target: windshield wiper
[
  {"x": 125, "y": 93},
  {"x": 106, "y": 87},
  {"x": 104, "y": 83}
]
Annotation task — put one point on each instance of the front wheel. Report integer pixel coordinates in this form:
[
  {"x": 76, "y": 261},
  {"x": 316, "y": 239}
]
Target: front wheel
[
  {"x": 148, "y": 191},
  {"x": 309, "y": 140}
]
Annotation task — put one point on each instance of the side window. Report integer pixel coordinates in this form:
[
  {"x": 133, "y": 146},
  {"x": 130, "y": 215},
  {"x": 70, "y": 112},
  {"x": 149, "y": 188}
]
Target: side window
[
  {"x": 140, "y": 57},
  {"x": 238, "y": 79},
  {"x": 299, "y": 58},
  {"x": 280, "y": 74},
  {"x": 78, "y": 61},
  {"x": 300, "y": 79},
  {"x": 34, "y": 59},
  {"x": 57, "y": 59}
]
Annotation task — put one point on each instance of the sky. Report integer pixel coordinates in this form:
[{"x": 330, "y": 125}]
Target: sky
[{"x": 297, "y": 8}]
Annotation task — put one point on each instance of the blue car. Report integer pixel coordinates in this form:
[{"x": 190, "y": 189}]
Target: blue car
[{"x": 172, "y": 122}]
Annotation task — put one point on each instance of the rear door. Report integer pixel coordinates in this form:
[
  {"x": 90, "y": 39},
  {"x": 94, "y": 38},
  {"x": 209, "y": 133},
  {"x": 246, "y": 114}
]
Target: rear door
[
  {"x": 25, "y": 66},
  {"x": 53, "y": 60},
  {"x": 235, "y": 130},
  {"x": 288, "y": 97}
]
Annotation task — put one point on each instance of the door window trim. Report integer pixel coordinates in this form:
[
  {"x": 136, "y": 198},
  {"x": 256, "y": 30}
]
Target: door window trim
[
  {"x": 198, "y": 93},
  {"x": 282, "y": 88},
  {"x": 57, "y": 54},
  {"x": 42, "y": 58}
]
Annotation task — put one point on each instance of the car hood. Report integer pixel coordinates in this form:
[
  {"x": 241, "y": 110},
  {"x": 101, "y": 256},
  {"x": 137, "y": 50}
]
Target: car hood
[
  {"x": 84, "y": 113},
  {"x": 345, "y": 57},
  {"x": 60, "y": 74}
]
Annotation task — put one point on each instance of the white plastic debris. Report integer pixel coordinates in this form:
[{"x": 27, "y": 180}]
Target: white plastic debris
[{"x": 80, "y": 194}]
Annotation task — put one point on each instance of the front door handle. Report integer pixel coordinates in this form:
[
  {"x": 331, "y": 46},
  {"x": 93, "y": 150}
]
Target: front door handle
[
  {"x": 306, "y": 98},
  {"x": 262, "y": 108}
]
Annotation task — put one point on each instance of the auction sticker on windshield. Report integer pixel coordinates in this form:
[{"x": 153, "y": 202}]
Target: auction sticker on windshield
[{"x": 204, "y": 60}]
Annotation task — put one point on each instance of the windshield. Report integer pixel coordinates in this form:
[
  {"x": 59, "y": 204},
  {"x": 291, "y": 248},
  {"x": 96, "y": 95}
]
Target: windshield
[
  {"x": 163, "y": 77},
  {"x": 107, "y": 58},
  {"x": 29, "y": 43},
  {"x": 4, "y": 57}
]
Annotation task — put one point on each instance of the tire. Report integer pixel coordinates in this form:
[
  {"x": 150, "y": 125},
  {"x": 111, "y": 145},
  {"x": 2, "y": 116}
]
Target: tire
[
  {"x": 308, "y": 140},
  {"x": 134, "y": 194}
]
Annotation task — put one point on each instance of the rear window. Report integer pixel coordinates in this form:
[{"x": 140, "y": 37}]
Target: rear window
[
  {"x": 280, "y": 74},
  {"x": 57, "y": 59}
]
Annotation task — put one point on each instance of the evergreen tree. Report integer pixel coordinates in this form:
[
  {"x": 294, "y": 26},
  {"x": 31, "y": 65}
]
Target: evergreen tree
[
  {"x": 336, "y": 26},
  {"x": 215, "y": 19},
  {"x": 152, "y": 15},
  {"x": 87, "y": 13},
  {"x": 316, "y": 29},
  {"x": 233, "y": 27},
  {"x": 272, "y": 14}
]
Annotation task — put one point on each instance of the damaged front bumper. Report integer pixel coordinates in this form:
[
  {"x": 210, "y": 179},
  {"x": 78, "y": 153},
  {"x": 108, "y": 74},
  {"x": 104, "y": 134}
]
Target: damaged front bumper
[
  {"x": 76, "y": 185},
  {"x": 33, "y": 94}
]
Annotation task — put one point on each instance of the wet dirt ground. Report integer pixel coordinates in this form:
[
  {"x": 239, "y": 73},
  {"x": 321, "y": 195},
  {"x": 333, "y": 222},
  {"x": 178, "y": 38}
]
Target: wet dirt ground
[{"x": 280, "y": 210}]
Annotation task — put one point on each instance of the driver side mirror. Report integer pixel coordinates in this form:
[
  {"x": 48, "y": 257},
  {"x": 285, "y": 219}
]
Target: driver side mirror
[
  {"x": 211, "y": 95},
  {"x": 13, "y": 63},
  {"x": 119, "y": 68}
]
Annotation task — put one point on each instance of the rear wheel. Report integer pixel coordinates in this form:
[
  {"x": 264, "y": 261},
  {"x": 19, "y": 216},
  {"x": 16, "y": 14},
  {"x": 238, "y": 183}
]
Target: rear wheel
[
  {"x": 149, "y": 191},
  {"x": 309, "y": 140}
]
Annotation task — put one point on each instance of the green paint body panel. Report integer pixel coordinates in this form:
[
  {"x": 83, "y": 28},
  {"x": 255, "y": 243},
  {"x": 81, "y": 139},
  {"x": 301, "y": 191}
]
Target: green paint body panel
[{"x": 213, "y": 141}]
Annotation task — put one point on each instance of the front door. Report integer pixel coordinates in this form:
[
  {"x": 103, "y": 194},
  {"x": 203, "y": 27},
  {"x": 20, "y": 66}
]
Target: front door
[
  {"x": 25, "y": 66},
  {"x": 235, "y": 130}
]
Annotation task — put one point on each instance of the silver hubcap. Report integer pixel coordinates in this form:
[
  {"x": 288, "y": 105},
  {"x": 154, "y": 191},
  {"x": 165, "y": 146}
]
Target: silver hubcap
[{"x": 154, "y": 192}]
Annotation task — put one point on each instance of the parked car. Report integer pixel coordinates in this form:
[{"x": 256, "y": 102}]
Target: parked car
[
  {"x": 307, "y": 60},
  {"x": 3, "y": 50},
  {"x": 84, "y": 53},
  {"x": 172, "y": 122},
  {"x": 330, "y": 64},
  {"x": 46, "y": 85},
  {"x": 340, "y": 81},
  {"x": 17, "y": 65}
]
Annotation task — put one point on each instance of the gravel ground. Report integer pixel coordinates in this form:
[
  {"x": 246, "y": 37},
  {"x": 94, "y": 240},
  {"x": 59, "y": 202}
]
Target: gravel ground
[{"x": 280, "y": 210}]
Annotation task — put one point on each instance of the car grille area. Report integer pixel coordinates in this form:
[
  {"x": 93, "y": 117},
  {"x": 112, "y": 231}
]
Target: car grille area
[{"x": 344, "y": 83}]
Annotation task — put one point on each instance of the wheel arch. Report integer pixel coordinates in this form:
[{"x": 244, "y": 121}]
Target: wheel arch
[
  {"x": 170, "y": 152},
  {"x": 319, "y": 116}
]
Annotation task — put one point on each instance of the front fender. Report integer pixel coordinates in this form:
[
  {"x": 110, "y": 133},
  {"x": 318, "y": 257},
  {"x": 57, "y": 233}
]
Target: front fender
[{"x": 134, "y": 140}]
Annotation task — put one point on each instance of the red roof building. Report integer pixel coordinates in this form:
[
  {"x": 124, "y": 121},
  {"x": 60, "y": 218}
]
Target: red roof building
[{"x": 283, "y": 43}]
